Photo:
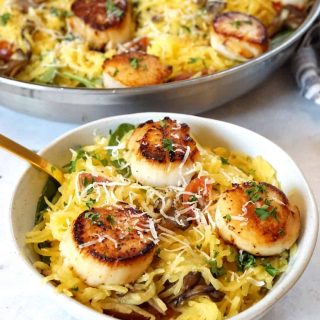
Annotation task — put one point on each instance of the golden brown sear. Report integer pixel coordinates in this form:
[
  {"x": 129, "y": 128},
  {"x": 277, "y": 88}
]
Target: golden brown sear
[
  {"x": 99, "y": 21},
  {"x": 134, "y": 69},
  {"x": 257, "y": 218},
  {"x": 115, "y": 243}
]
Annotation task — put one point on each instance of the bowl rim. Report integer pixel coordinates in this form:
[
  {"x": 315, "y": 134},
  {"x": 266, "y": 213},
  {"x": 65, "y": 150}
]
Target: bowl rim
[
  {"x": 256, "y": 310},
  {"x": 313, "y": 14}
]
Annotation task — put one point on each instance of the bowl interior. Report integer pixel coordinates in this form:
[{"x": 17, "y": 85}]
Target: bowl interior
[{"x": 207, "y": 132}]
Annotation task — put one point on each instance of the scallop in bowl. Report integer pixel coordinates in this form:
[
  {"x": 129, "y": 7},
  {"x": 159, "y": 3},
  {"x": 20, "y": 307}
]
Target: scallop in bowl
[{"x": 162, "y": 216}]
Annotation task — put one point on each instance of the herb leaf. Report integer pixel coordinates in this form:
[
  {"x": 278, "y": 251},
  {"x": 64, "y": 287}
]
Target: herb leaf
[
  {"x": 4, "y": 19},
  {"x": 114, "y": 140},
  {"x": 215, "y": 271},
  {"x": 71, "y": 166},
  {"x": 224, "y": 160},
  {"x": 227, "y": 217},
  {"x": 245, "y": 260},
  {"x": 134, "y": 63},
  {"x": 271, "y": 270},
  {"x": 263, "y": 212},
  {"x": 111, "y": 220},
  {"x": 93, "y": 216},
  {"x": 113, "y": 10},
  {"x": 59, "y": 13},
  {"x": 255, "y": 190},
  {"x": 48, "y": 76},
  {"x": 49, "y": 191},
  {"x": 84, "y": 81},
  {"x": 167, "y": 144},
  {"x": 119, "y": 133}
]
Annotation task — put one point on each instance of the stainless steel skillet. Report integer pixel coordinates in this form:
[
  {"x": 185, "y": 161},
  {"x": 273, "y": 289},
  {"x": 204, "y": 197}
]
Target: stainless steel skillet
[{"x": 188, "y": 96}]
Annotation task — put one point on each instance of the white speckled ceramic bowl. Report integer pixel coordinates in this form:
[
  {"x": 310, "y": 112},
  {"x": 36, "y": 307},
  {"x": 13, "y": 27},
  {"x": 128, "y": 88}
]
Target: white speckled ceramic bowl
[{"x": 208, "y": 132}]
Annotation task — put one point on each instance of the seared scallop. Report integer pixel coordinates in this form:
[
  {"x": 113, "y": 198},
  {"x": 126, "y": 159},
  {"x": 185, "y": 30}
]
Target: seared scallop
[
  {"x": 257, "y": 218},
  {"x": 99, "y": 21},
  {"x": 112, "y": 245},
  {"x": 134, "y": 69},
  {"x": 162, "y": 153},
  {"x": 238, "y": 36}
]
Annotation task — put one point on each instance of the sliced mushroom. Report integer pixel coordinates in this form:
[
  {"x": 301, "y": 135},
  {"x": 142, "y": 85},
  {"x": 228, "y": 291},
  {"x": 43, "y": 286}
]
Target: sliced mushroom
[
  {"x": 171, "y": 221},
  {"x": 199, "y": 290},
  {"x": 24, "y": 5},
  {"x": 12, "y": 60},
  {"x": 288, "y": 17},
  {"x": 193, "y": 285},
  {"x": 215, "y": 6}
]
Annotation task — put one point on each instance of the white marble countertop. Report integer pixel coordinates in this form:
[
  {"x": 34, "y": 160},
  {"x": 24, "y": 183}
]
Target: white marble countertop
[{"x": 274, "y": 110}]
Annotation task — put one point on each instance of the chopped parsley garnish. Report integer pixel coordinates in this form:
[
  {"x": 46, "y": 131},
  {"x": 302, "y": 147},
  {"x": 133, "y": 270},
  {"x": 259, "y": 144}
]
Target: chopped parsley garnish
[
  {"x": 186, "y": 28},
  {"x": 245, "y": 260},
  {"x": 111, "y": 220},
  {"x": 281, "y": 232},
  {"x": 163, "y": 123},
  {"x": 134, "y": 63},
  {"x": 113, "y": 10},
  {"x": 254, "y": 191},
  {"x": 193, "y": 198},
  {"x": 93, "y": 216},
  {"x": 224, "y": 160},
  {"x": 199, "y": 246},
  {"x": 271, "y": 270},
  {"x": 90, "y": 190},
  {"x": 115, "y": 72},
  {"x": 69, "y": 37},
  {"x": 167, "y": 144},
  {"x": 215, "y": 270},
  {"x": 4, "y": 19},
  {"x": 85, "y": 182},
  {"x": 59, "y": 13},
  {"x": 158, "y": 251},
  {"x": 90, "y": 203},
  {"x": 264, "y": 213},
  {"x": 71, "y": 166},
  {"x": 193, "y": 60},
  {"x": 75, "y": 288},
  {"x": 239, "y": 23},
  {"x": 130, "y": 229},
  {"x": 227, "y": 217}
]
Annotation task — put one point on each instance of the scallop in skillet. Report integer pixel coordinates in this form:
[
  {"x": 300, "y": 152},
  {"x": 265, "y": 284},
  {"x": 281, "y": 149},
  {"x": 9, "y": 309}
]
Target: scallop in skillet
[
  {"x": 111, "y": 245},
  {"x": 257, "y": 218},
  {"x": 238, "y": 36},
  {"x": 134, "y": 69},
  {"x": 162, "y": 153},
  {"x": 99, "y": 21}
]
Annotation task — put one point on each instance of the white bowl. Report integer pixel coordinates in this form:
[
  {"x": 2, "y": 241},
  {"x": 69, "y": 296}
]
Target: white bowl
[{"x": 208, "y": 132}]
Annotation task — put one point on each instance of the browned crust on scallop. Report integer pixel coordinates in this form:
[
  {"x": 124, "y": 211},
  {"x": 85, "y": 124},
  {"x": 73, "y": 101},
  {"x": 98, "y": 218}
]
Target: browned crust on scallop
[
  {"x": 95, "y": 13},
  {"x": 241, "y": 26},
  {"x": 135, "y": 69},
  {"x": 152, "y": 143},
  {"x": 272, "y": 229},
  {"x": 130, "y": 247}
]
